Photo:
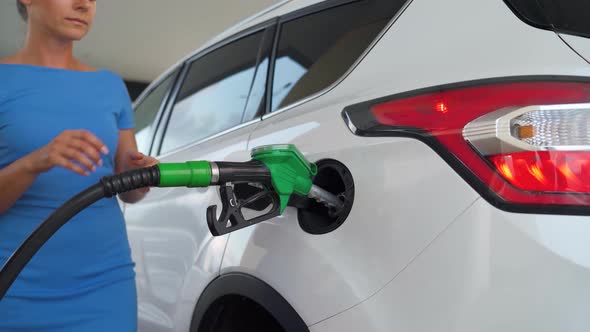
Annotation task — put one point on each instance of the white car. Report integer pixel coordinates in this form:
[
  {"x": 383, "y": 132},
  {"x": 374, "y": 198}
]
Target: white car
[{"x": 459, "y": 132}]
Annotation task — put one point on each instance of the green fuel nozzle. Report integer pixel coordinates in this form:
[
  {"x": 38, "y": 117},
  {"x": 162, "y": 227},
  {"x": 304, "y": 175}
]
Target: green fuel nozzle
[
  {"x": 188, "y": 174},
  {"x": 277, "y": 171},
  {"x": 283, "y": 166}
]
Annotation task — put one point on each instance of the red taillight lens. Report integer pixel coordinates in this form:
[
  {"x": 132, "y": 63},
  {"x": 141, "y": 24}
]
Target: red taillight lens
[
  {"x": 529, "y": 142},
  {"x": 564, "y": 172}
]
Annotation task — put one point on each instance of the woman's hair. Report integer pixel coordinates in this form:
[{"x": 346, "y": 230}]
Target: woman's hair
[{"x": 22, "y": 10}]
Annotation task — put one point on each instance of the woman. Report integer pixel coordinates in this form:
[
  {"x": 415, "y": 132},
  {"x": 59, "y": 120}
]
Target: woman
[{"x": 63, "y": 126}]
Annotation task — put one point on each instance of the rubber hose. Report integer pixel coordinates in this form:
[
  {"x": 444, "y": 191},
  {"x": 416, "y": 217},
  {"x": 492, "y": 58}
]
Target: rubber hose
[{"x": 107, "y": 187}]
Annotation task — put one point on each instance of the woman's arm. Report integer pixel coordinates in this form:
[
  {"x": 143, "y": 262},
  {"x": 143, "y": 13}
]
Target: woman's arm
[
  {"x": 71, "y": 145},
  {"x": 128, "y": 158},
  {"x": 14, "y": 181}
]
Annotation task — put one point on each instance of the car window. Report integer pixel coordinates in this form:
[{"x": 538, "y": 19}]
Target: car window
[
  {"x": 317, "y": 49},
  {"x": 146, "y": 112},
  {"x": 256, "y": 100},
  {"x": 214, "y": 93},
  {"x": 569, "y": 16}
]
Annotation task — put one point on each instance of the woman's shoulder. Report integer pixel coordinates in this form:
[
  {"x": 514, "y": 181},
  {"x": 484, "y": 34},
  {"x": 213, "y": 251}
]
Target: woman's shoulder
[
  {"x": 22, "y": 71},
  {"x": 11, "y": 79},
  {"x": 83, "y": 67},
  {"x": 17, "y": 75},
  {"x": 9, "y": 60},
  {"x": 76, "y": 67}
]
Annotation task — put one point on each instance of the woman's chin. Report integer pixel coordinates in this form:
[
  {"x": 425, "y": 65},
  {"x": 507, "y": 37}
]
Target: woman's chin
[{"x": 73, "y": 34}]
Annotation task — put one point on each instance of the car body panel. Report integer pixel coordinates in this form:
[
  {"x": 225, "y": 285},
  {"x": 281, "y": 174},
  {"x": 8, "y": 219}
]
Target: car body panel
[
  {"x": 387, "y": 227},
  {"x": 420, "y": 249},
  {"x": 489, "y": 271},
  {"x": 580, "y": 44}
]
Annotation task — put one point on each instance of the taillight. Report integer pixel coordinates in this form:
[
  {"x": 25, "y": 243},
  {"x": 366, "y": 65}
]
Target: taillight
[{"x": 523, "y": 145}]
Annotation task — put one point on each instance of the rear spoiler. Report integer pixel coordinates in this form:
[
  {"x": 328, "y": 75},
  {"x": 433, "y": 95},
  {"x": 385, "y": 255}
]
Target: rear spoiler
[{"x": 561, "y": 16}]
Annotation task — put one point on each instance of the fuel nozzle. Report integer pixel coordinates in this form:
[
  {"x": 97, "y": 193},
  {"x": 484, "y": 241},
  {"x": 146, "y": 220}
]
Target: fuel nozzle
[
  {"x": 293, "y": 174},
  {"x": 277, "y": 171}
]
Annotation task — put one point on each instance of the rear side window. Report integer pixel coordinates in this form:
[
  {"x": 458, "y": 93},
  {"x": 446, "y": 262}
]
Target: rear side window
[
  {"x": 566, "y": 16},
  {"x": 214, "y": 94},
  {"x": 146, "y": 111},
  {"x": 317, "y": 49}
]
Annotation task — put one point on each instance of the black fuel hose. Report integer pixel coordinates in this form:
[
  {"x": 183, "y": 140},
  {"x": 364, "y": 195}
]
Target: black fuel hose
[{"x": 107, "y": 187}]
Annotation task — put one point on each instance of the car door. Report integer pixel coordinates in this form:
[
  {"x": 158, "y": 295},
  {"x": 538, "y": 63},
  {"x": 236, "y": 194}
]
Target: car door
[{"x": 215, "y": 106}]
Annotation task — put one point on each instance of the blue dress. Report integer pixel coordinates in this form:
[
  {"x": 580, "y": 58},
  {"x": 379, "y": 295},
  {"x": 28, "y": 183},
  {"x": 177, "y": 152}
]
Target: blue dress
[{"x": 82, "y": 279}]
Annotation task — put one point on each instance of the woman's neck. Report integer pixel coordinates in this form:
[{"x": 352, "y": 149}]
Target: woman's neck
[{"x": 44, "y": 50}]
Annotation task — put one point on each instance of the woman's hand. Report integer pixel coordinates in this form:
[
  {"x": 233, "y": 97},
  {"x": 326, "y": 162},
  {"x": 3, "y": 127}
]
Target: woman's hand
[
  {"x": 127, "y": 158},
  {"x": 139, "y": 160},
  {"x": 77, "y": 150}
]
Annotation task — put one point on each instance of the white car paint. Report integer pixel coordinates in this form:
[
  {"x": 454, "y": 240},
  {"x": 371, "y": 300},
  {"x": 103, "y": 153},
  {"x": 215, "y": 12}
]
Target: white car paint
[
  {"x": 489, "y": 271},
  {"x": 579, "y": 44},
  {"x": 420, "y": 251}
]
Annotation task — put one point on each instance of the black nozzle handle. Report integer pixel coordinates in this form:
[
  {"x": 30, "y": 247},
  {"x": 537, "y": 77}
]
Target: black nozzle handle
[{"x": 250, "y": 171}]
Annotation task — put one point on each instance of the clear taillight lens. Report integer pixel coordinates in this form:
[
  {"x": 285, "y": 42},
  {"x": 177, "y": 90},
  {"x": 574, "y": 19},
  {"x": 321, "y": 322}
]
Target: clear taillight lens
[
  {"x": 537, "y": 148},
  {"x": 556, "y": 126},
  {"x": 522, "y": 144}
]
